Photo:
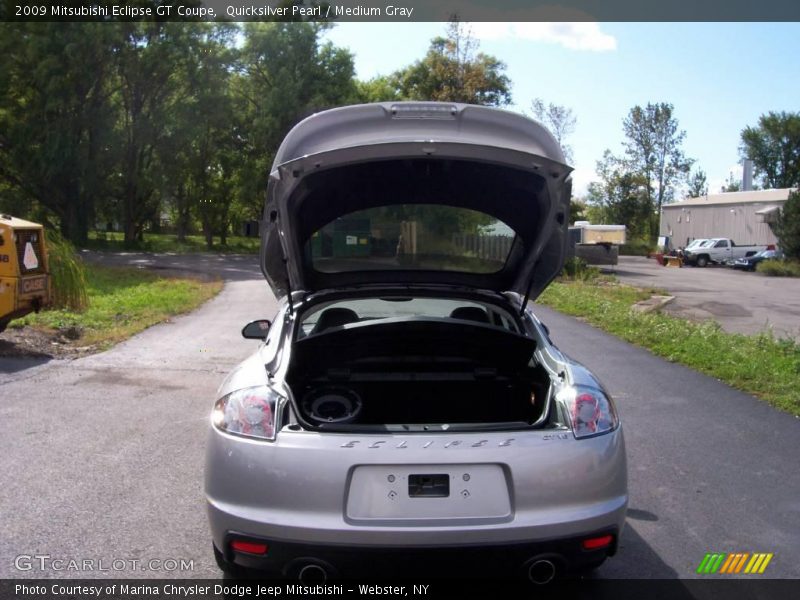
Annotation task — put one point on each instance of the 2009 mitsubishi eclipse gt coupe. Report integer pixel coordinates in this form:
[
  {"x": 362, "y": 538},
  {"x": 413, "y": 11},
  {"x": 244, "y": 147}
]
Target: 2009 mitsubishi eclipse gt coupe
[{"x": 405, "y": 402}]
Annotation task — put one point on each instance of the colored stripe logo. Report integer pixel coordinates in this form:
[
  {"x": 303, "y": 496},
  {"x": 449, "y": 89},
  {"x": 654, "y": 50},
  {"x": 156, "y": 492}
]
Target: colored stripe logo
[{"x": 754, "y": 563}]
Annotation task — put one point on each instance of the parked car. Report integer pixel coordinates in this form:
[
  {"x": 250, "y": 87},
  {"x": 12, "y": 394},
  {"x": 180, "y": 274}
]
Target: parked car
[
  {"x": 406, "y": 406},
  {"x": 681, "y": 252},
  {"x": 719, "y": 251},
  {"x": 696, "y": 243},
  {"x": 749, "y": 263}
]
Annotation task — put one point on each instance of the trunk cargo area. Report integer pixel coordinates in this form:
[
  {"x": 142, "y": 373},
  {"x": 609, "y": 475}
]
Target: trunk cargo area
[{"x": 417, "y": 372}]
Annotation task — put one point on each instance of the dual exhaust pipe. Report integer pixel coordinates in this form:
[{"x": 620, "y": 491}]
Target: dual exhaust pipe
[{"x": 540, "y": 571}]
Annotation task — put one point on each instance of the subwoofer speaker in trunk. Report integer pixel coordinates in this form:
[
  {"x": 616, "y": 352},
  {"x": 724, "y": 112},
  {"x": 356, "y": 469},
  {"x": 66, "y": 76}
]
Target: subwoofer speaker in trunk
[{"x": 332, "y": 404}]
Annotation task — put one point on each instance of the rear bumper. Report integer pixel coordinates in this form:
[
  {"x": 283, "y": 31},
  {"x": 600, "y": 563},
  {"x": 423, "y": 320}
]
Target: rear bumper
[
  {"x": 287, "y": 559},
  {"x": 296, "y": 494}
]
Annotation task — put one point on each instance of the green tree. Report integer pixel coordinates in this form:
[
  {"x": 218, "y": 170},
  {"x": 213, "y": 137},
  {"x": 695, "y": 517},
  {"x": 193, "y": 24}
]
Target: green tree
[
  {"x": 653, "y": 152},
  {"x": 622, "y": 194},
  {"x": 454, "y": 71},
  {"x": 286, "y": 74},
  {"x": 698, "y": 184},
  {"x": 204, "y": 129},
  {"x": 378, "y": 89},
  {"x": 774, "y": 147},
  {"x": 577, "y": 210},
  {"x": 787, "y": 227},
  {"x": 149, "y": 60},
  {"x": 731, "y": 184},
  {"x": 56, "y": 118},
  {"x": 560, "y": 120}
]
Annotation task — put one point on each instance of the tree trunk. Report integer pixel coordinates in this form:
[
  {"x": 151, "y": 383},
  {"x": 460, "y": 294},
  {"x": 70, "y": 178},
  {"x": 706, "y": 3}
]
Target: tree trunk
[
  {"x": 182, "y": 225},
  {"x": 209, "y": 237},
  {"x": 75, "y": 227},
  {"x": 129, "y": 225}
]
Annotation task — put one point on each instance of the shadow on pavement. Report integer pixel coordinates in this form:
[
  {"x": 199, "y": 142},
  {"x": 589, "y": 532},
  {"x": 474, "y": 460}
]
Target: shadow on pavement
[
  {"x": 623, "y": 273},
  {"x": 635, "y": 558},
  {"x": 15, "y": 365}
]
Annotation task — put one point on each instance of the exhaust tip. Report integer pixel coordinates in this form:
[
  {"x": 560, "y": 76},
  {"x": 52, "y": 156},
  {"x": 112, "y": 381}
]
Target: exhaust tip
[
  {"x": 541, "y": 571},
  {"x": 312, "y": 573}
]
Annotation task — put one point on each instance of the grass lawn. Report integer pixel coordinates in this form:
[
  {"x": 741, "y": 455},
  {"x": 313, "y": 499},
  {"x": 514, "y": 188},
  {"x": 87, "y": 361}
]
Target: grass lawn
[
  {"x": 122, "y": 302},
  {"x": 165, "y": 242},
  {"x": 761, "y": 365}
]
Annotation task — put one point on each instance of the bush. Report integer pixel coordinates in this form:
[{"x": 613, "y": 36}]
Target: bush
[
  {"x": 636, "y": 248},
  {"x": 788, "y": 226},
  {"x": 779, "y": 268},
  {"x": 578, "y": 270},
  {"x": 67, "y": 272}
]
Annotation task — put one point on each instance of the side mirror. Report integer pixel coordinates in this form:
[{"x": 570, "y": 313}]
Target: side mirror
[{"x": 256, "y": 330}]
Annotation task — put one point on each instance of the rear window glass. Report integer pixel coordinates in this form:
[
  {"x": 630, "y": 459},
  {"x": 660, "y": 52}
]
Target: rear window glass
[{"x": 412, "y": 237}]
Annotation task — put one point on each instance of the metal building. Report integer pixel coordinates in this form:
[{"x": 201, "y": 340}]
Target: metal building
[{"x": 743, "y": 217}]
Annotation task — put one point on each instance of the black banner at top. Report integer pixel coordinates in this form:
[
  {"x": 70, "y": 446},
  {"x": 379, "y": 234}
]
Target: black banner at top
[{"x": 401, "y": 10}]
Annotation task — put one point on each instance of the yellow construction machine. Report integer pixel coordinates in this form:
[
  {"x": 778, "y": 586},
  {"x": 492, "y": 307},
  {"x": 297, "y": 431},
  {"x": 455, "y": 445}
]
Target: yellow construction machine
[{"x": 24, "y": 275}]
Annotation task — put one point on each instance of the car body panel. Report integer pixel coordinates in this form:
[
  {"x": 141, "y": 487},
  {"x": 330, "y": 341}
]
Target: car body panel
[
  {"x": 330, "y": 142},
  {"x": 298, "y": 489}
]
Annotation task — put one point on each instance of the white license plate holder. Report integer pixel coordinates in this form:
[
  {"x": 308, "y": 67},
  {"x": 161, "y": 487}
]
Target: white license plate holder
[{"x": 428, "y": 494}]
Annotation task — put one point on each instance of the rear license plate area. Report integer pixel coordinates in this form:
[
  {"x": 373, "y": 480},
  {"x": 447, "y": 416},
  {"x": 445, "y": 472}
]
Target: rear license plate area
[
  {"x": 430, "y": 494},
  {"x": 429, "y": 486}
]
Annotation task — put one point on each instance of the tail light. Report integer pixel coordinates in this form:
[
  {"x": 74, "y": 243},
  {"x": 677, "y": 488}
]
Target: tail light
[
  {"x": 590, "y": 411},
  {"x": 596, "y": 543},
  {"x": 249, "y": 547},
  {"x": 250, "y": 412}
]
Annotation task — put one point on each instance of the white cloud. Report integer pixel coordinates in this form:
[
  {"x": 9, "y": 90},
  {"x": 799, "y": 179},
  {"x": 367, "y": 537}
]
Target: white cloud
[
  {"x": 574, "y": 36},
  {"x": 581, "y": 178}
]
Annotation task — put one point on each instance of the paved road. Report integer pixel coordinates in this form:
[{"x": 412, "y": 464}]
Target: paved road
[
  {"x": 741, "y": 302},
  {"x": 103, "y": 456}
]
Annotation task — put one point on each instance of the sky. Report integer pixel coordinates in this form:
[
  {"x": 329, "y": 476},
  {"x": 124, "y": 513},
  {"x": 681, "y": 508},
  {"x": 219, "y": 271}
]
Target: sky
[{"x": 720, "y": 77}]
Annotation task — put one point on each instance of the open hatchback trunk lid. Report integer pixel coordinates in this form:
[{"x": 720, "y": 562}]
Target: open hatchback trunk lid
[{"x": 416, "y": 193}]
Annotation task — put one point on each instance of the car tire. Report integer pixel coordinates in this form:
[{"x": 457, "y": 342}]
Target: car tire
[{"x": 702, "y": 261}]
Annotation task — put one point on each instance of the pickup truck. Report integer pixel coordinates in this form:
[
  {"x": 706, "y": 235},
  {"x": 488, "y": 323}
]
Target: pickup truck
[{"x": 719, "y": 251}]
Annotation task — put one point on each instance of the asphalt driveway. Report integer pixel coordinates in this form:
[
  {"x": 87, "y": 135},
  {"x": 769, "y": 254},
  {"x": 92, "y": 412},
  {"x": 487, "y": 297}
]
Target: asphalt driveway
[
  {"x": 103, "y": 455},
  {"x": 739, "y": 301}
]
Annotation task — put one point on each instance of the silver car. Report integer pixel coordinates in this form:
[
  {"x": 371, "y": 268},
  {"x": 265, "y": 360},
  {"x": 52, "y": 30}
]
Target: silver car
[{"x": 406, "y": 406}]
